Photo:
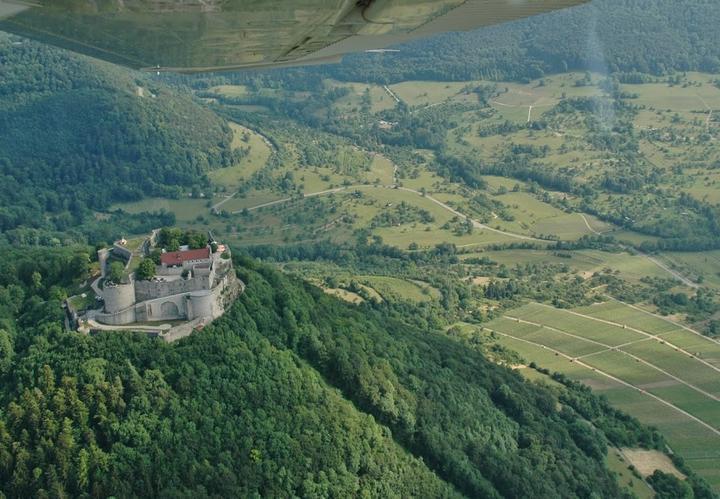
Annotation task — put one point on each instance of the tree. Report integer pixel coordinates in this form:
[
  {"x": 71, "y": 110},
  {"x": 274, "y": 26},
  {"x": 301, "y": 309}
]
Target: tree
[
  {"x": 79, "y": 265},
  {"x": 195, "y": 240},
  {"x": 155, "y": 256},
  {"x": 6, "y": 351},
  {"x": 668, "y": 486},
  {"x": 146, "y": 270},
  {"x": 169, "y": 238},
  {"x": 116, "y": 272}
]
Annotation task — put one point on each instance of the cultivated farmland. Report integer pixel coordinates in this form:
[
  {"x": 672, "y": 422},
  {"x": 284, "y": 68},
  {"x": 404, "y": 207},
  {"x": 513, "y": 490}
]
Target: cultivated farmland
[{"x": 661, "y": 372}]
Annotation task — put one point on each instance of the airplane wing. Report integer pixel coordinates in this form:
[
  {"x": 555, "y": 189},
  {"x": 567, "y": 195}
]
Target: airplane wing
[{"x": 214, "y": 35}]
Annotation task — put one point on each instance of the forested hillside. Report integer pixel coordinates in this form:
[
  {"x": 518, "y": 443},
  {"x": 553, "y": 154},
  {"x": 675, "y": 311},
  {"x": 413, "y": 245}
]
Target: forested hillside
[
  {"x": 649, "y": 36},
  {"x": 78, "y": 134},
  {"x": 292, "y": 393}
]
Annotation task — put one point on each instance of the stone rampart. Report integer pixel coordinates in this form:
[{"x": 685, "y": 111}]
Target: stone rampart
[{"x": 150, "y": 290}]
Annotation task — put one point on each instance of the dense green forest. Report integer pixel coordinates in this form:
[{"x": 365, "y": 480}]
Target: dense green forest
[
  {"x": 648, "y": 36},
  {"x": 77, "y": 134},
  {"x": 291, "y": 393}
]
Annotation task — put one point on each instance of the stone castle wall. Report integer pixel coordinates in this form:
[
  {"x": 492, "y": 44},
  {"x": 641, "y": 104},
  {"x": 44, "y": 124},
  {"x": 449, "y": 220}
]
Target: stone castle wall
[
  {"x": 121, "y": 252},
  {"x": 150, "y": 290},
  {"x": 119, "y": 318},
  {"x": 204, "y": 296},
  {"x": 194, "y": 305},
  {"x": 167, "y": 308}
]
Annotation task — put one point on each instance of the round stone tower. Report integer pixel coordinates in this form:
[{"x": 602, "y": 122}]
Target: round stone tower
[
  {"x": 118, "y": 297},
  {"x": 201, "y": 304}
]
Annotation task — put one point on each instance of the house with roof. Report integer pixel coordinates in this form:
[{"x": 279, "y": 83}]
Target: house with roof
[{"x": 186, "y": 258}]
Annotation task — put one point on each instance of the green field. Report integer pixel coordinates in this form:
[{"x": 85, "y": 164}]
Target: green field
[
  {"x": 631, "y": 267},
  {"x": 643, "y": 367},
  {"x": 380, "y": 100},
  {"x": 617, "y": 463},
  {"x": 231, "y": 90},
  {"x": 424, "y": 93},
  {"x": 381, "y": 169},
  {"x": 635, "y": 317},
  {"x": 679, "y": 97},
  {"x": 392, "y": 288},
  {"x": 576, "y": 325},
  {"x": 185, "y": 209},
  {"x": 259, "y": 152},
  {"x": 704, "y": 266}
]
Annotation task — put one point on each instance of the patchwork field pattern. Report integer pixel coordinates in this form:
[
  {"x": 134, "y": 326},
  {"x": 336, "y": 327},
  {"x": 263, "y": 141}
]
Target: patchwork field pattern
[{"x": 663, "y": 373}]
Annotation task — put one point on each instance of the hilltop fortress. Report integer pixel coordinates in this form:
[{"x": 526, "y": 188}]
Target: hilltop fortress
[{"x": 188, "y": 285}]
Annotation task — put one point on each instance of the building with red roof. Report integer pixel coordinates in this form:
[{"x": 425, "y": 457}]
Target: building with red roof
[{"x": 183, "y": 258}]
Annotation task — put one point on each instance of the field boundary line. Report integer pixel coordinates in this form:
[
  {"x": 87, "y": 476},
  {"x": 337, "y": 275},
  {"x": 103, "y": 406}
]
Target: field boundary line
[
  {"x": 682, "y": 326},
  {"x": 617, "y": 380},
  {"x": 587, "y": 224},
  {"x": 610, "y": 348},
  {"x": 619, "y": 346},
  {"x": 551, "y": 328},
  {"x": 223, "y": 201},
  {"x": 640, "y": 331}
]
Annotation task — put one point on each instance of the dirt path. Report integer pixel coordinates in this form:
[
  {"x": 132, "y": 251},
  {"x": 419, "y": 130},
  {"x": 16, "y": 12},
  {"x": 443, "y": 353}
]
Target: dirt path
[
  {"x": 674, "y": 323},
  {"x": 475, "y": 223},
  {"x": 610, "y": 348},
  {"x": 428, "y": 106},
  {"x": 392, "y": 94},
  {"x": 223, "y": 201},
  {"x": 310, "y": 195},
  {"x": 677, "y": 275},
  {"x": 639, "y": 331},
  {"x": 587, "y": 224},
  {"x": 505, "y": 105},
  {"x": 610, "y": 376},
  {"x": 708, "y": 120},
  {"x": 529, "y": 106}
]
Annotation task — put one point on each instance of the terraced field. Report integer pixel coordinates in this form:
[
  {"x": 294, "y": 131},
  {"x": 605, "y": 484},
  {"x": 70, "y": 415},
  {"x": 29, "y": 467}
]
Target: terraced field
[{"x": 664, "y": 373}]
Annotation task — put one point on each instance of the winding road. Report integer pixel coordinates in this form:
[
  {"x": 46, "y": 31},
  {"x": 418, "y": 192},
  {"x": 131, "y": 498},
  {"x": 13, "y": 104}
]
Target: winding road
[
  {"x": 677, "y": 275},
  {"x": 476, "y": 224},
  {"x": 479, "y": 225}
]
